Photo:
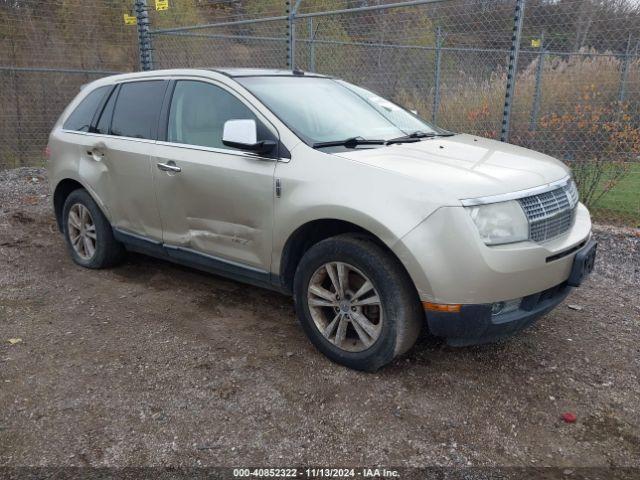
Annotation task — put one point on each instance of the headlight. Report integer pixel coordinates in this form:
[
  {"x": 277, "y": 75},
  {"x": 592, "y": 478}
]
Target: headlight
[{"x": 498, "y": 223}]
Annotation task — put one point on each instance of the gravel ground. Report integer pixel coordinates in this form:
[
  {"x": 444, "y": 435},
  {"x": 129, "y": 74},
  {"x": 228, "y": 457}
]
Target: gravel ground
[{"x": 153, "y": 364}]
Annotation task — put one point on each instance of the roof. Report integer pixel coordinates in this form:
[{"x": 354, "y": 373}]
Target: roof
[
  {"x": 262, "y": 72},
  {"x": 229, "y": 73}
]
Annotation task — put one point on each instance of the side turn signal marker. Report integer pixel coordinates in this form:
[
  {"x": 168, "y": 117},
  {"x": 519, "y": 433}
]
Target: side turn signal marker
[{"x": 442, "y": 307}]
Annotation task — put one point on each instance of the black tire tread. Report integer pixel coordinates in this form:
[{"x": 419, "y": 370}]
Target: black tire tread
[
  {"x": 109, "y": 251},
  {"x": 407, "y": 320}
]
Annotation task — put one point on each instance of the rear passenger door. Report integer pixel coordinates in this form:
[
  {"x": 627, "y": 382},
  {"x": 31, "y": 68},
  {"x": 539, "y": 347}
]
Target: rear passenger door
[{"x": 118, "y": 151}]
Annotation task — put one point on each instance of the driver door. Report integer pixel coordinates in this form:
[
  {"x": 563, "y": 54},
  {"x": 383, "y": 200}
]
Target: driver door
[{"x": 215, "y": 202}]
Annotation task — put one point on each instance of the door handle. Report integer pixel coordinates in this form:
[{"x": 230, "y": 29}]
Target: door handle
[{"x": 169, "y": 167}]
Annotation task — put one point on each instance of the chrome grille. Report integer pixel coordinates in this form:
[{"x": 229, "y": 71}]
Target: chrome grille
[{"x": 551, "y": 213}]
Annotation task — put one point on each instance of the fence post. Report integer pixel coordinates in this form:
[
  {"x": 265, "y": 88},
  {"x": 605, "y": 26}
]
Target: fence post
[
  {"x": 535, "y": 109},
  {"x": 512, "y": 70},
  {"x": 144, "y": 37},
  {"x": 312, "y": 46},
  {"x": 291, "y": 33},
  {"x": 625, "y": 71},
  {"x": 436, "y": 89}
]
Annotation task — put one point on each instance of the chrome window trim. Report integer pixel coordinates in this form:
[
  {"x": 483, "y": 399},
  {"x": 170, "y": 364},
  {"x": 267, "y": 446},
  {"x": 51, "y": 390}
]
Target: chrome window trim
[
  {"x": 104, "y": 135},
  {"x": 471, "y": 202},
  {"x": 224, "y": 151},
  {"x": 75, "y": 132},
  {"x": 237, "y": 153},
  {"x": 120, "y": 137}
]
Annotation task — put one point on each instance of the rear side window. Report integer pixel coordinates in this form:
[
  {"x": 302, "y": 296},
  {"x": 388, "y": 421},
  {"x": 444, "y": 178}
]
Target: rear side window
[
  {"x": 137, "y": 109},
  {"x": 105, "y": 119},
  {"x": 80, "y": 118}
]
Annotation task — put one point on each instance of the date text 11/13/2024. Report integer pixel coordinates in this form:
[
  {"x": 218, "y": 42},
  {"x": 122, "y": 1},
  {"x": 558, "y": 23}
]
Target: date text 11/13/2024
[{"x": 315, "y": 473}]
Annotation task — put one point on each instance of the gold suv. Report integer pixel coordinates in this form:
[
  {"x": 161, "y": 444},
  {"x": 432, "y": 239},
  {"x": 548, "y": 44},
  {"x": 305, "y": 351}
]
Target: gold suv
[{"x": 376, "y": 221}]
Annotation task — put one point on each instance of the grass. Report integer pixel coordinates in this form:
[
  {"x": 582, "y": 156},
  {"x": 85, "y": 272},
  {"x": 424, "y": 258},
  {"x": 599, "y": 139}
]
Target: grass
[
  {"x": 622, "y": 203},
  {"x": 579, "y": 113}
]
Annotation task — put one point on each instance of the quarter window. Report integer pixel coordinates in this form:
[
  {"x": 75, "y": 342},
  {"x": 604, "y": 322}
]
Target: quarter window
[
  {"x": 80, "y": 118},
  {"x": 199, "y": 111},
  {"x": 137, "y": 108}
]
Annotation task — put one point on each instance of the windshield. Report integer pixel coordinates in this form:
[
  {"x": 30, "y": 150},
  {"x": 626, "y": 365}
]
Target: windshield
[
  {"x": 326, "y": 110},
  {"x": 401, "y": 118}
]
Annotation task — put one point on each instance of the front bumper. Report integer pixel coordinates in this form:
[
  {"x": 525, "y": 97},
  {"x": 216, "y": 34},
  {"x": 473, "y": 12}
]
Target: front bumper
[
  {"x": 450, "y": 264},
  {"x": 475, "y": 325}
]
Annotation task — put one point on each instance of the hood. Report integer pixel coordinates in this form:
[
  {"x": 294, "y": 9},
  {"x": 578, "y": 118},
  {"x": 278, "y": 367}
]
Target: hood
[{"x": 465, "y": 166}]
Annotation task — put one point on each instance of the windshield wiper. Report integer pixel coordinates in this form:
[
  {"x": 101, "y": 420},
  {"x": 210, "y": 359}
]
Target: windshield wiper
[
  {"x": 352, "y": 142},
  {"x": 416, "y": 137}
]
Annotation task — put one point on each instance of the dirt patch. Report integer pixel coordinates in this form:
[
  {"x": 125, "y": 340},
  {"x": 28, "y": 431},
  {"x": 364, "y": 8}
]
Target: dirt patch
[
  {"x": 154, "y": 364},
  {"x": 21, "y": 217}
]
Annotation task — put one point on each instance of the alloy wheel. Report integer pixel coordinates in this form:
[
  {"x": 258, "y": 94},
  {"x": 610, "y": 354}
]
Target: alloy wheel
[
  {"x": 345, "y": 306},
  {"x": 82, "y": 231}
]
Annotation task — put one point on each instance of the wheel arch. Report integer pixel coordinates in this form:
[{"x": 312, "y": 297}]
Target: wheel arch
[
  {"x": 63, "y": 189},
  {"x": 314, "y": 231}
]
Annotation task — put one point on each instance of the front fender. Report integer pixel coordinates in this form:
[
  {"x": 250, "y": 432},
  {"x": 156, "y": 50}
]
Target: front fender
[{"x": 320, "y": 186}]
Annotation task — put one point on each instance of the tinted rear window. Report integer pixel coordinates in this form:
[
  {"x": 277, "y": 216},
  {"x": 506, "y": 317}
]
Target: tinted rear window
[
  {"x": 80, "y": 118},
  {"x": 137, "y": 109},
  {"x": 105, "y": 118}
]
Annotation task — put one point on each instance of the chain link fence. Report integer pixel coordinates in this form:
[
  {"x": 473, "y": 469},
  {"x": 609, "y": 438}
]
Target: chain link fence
[
  {"x": 435, "y": 56},
  {"x": 577, "y": 97},
  {"x": 220, "y": 33},
  {"x": 48, "y": 50},
  {"x": 561, "y": 77}
]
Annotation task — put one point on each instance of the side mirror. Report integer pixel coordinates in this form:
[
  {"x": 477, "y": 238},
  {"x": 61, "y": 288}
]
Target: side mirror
[{"x": 243, "y": 134}]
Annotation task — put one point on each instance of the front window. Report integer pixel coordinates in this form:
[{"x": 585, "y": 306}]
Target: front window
[
  {"x": 199, "y": 111},
  {"x": 325, "y": 110}
]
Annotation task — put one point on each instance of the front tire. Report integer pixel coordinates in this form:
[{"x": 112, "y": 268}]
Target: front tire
[
  {"x": 356, "y": 303},
  {"x": 88, "y": 234}
]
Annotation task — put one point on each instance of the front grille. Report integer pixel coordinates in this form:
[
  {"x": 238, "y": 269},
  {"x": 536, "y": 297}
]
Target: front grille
[{"x": 550, "y": 214}]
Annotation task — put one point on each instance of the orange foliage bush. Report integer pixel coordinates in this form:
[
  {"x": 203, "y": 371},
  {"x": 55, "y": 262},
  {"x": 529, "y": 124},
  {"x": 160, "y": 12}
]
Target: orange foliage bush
[{"x": 573, "y": 133}]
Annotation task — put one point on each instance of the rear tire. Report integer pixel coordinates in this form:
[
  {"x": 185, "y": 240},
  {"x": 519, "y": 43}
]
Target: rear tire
[
  {"x": 377, "y": 318},
  {"x": 88, "y": 234}
]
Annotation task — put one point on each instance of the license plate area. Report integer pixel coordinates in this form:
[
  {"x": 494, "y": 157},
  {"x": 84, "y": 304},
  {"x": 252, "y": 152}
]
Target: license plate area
[{"x": 583, "y": 264}]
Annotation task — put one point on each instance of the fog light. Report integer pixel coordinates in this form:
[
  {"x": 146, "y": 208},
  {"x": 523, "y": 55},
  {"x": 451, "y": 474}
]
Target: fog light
[
  {"x": 496, "y": 308},
  {"x": 500, "y": 308}
]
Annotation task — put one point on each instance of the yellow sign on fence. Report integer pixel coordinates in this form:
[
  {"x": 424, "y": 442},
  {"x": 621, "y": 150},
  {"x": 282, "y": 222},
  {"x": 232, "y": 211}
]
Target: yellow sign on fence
[
  {"x": 536, "y": 42},
  {"x": 162, "y": 4},
  {"x": 129, "y": 19}
]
